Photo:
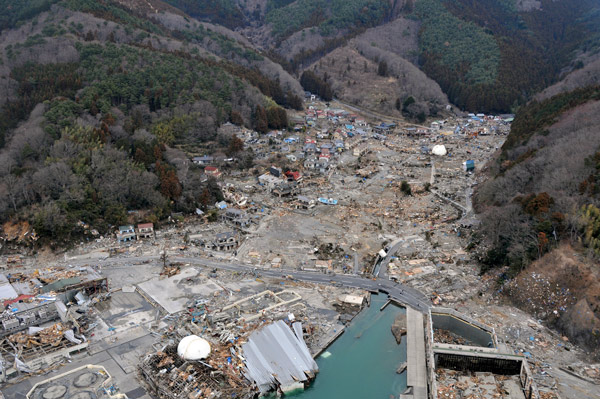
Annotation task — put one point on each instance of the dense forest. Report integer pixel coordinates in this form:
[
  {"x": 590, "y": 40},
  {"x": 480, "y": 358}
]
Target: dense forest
[
  {"x": 93, "y": 139},
  {"x": 330, "y": 17},
  {"x": 489, "y": 57},
  {"x": 314, "y": 84},
  {"x": 222, "y": 12},
  {"x": 13, "y": 13}
]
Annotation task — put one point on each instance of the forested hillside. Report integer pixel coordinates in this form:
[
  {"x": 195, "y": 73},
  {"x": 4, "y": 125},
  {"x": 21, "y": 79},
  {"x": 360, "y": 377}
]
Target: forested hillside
[
  {"x": 97, "y": 96},
  {"x": 489, "y": 56},
  {"x": 486, "y": 55},
  {"x": 222, "y": 12},
  {"x": 134, "y": 79},
  {"x": 540, "y": 210},
  {"x": 537, "y": 188},
  {"x": 330, "y": 17}
]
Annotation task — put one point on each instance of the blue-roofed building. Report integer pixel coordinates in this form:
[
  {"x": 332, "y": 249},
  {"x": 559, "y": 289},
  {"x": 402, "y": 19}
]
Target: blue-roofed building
[
  {"x": 384, "y": 128},
  {"x": 469, "y": 165}
]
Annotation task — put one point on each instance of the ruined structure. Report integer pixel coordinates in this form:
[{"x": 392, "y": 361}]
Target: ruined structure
[{"x": 277, "y": 358}]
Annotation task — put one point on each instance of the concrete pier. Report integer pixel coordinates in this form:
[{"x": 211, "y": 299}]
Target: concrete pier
[{"x": 415, "y": 356}]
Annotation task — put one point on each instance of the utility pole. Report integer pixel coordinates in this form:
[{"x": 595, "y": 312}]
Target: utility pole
[{"x": 163, "y": 257}]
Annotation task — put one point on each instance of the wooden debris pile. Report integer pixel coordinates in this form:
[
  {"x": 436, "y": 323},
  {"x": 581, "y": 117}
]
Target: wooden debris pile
[
  {"x": 173, "y": 378},
  {"x": 447, "y": 337},
  {"x": 170, "y": 270},
  {"x": 52, "y": 336}
]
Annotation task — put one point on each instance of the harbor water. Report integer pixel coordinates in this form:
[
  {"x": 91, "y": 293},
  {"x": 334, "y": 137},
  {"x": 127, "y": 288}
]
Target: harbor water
[{"x": 362, "y": 362}]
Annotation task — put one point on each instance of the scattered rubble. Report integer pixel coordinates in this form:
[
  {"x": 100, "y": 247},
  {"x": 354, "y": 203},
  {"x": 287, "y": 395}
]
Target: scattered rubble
[
  {"x": 473, "y": 385},
  {"x": 391, "y": 195},
  {"x": 448, "y": 337}
]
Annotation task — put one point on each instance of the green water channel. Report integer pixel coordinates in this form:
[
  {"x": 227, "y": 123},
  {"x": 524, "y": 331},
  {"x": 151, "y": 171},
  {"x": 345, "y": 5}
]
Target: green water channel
[{"x": 362, "y": 363}]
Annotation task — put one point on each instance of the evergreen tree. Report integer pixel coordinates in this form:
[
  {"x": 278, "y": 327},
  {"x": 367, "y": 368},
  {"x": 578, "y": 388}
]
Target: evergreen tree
[
  {"x": 382, "y": 68},
  {"x": 260, "y": 121}
]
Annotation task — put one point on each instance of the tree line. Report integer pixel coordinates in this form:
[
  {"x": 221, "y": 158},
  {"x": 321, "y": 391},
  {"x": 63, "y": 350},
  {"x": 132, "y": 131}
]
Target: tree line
[{"x": 314, "y": 84}]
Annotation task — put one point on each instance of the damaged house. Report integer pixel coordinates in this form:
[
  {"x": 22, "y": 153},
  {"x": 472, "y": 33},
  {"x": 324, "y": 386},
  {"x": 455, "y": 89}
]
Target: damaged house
[
  {"x": 236, "y": 217},
  {"x": 223, "y": 242}
]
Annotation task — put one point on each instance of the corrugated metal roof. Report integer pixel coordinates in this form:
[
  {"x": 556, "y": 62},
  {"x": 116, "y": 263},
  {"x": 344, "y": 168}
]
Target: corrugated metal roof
[
  {"x": 60, "y": 284},
  {"x": 276, "y": 356}
]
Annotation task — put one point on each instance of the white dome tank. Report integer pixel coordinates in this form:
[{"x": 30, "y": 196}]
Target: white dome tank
[
  {"x": 193, "y": 347},
  {"x": 439, "y": 150}
]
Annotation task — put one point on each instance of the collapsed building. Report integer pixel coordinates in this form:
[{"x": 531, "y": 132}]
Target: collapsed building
[
  {"x": 304, "y": 202},
  {"x": 31, "y": 301},
  {"x": 236, "y": 217},
  {"x": 223, "y": 242},
  {"x": 468, "y": 361},
  {"x": 172, "y": 374},
  {"x": 231, "y": 350},
  {"x": 277, "y": 358},
  {"x": 38, "y": 349},
  {"x": 284, "y": 189}
]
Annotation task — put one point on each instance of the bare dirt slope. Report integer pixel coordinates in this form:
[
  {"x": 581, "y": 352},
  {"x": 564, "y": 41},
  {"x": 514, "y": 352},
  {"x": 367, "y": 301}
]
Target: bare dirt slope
[
  {"x": 562, "y": 288},
  {"x": 352, "y": 71}
]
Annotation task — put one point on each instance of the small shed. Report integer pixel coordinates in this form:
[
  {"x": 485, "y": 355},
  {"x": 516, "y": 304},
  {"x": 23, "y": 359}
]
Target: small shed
[
  {"x": 469, "y": 165},
  {"x": 275, "y": 171}
]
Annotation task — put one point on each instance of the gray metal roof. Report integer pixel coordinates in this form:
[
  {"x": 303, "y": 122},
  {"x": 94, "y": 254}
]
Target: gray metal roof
[{"x": 276, "y": 356}]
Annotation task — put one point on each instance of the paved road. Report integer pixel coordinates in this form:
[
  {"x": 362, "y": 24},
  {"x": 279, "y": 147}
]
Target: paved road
[
  {"x": 401, "y": 293},
  {"x": 382, "y": 266}
]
